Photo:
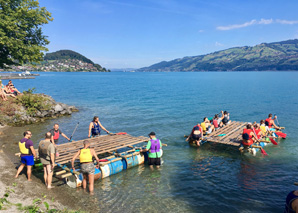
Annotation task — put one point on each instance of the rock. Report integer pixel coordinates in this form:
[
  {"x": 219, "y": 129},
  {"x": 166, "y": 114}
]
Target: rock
[
  {"x": 58, "y": 108},
  {"x": 73, "y": 108}
]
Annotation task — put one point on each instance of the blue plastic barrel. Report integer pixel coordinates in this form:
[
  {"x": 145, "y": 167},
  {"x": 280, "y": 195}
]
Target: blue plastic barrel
[{"x": 129, "y": 160}]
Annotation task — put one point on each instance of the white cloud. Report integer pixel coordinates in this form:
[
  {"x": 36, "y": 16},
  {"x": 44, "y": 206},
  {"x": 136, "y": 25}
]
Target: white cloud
[
  {"x": 236, "y": 26},
  {"x": 201, "y": 31},
  {"x": 286, "y": 21},
  {"x": 217, "y": 44},
  {"x": 255, "y": 22}
]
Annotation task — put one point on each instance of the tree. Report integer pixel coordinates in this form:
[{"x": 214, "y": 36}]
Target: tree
[{"x": 21, "y": 36}]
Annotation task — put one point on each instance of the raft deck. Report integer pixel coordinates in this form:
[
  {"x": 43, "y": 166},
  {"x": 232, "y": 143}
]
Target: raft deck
[
  {"x": 228, "y": 135},
  {"x": 101, "y": 144}
]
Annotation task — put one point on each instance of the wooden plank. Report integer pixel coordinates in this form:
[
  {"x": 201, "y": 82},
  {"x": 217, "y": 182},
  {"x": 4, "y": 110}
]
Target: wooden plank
[
  {"x": 219, "y": 131},
  {"x": 229, "y": 134}
]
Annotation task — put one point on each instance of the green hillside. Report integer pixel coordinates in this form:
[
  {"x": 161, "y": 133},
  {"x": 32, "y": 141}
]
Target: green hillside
[{"x": 263, "y": 57}]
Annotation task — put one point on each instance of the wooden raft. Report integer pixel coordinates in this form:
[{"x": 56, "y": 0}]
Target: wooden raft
[
  {"x": 232, "y": 131},
  {"x": 101, "y": 144}
]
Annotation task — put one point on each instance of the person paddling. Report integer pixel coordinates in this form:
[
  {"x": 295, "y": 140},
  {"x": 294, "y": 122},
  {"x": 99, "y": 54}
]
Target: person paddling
[
  {"x": 270, "y": 122},
  {"x": 56, "y": 132},
  {"x": 87, "y": 165},
  {"x": 95, "y": 127},
  {"x": 27, "y": 154},
  {"x": 46, "y": 152},
  {"x": 248, "y": 136},
  {"x": 154, "y": 147}
]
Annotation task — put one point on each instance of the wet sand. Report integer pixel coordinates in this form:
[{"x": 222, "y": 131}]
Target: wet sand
[{"x": 25, "y": 192}]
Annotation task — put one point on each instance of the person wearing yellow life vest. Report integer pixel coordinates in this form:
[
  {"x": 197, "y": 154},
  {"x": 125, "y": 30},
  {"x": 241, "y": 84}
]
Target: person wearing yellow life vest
[
  {"x": 87, "y": 165},
  {"x": 27, "y": 154},
  {"x": 46, "y": 152},
  {"x": 265, "y": 129}
]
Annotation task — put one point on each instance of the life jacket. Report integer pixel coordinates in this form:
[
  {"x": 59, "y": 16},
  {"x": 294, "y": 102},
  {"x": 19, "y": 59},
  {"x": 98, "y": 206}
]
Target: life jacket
[
  {"x": 257, "y": 131},
  {"x": 197, "y": 130},
  {"x": 203, "y": 125},
  {"x": 215, "y": 123},
  {"x": 95, "y": 129},
  {"x": 23, "y": 149},
  {"x": 246, "y": 135},
  {"x": 225, "y": 120},
  {"x": 268, "y": 122},
  {"x": 263, "y": 128},
  {"x": 290, "y": 198},
  {"x": 85, "y": 156},
  {"x": 155, "y": 146},
  {"x": 43, "y": 148},
  {"x": 56, "y": 134}
]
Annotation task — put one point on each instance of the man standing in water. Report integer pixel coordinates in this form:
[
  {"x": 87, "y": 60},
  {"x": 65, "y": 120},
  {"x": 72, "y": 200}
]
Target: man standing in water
[
  {"x": 154, "y": 147},
  {"x": 56, "y": 132},
  {"x": 46, "y": 152},
  {"x": 94, "y": 127},
  {"x": 87, "y": 165},
  {"x": 27, "y": 152}
]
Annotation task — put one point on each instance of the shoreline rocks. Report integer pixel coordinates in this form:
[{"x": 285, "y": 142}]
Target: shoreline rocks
[{"x": 24, "y": 115}]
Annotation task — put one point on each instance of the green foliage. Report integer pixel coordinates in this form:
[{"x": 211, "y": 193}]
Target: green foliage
[
  {"x": 273, "y": 56},
  {"x": 67, "y": 54},
  {"x": 33, "y": 102},
  {"x": 21, "y": 36}
]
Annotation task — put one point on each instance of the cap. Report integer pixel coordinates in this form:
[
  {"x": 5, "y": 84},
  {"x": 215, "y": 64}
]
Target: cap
[
  {"x": 151, "y": 133},
  {"x": 85, "y": 142}
]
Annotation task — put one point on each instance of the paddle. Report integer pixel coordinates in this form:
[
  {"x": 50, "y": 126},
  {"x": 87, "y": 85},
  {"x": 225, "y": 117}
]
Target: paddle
[
  {"x": 74, "y": 131},
  {"x": 118, "y": 133},
  {"x": 277, "y": 120},
  {"x": 273, "y": 141},
  {"x": 262, "y": 150}
]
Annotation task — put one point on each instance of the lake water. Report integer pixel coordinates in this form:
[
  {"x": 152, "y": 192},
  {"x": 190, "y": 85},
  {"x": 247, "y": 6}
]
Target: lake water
[{"x": 210, "y": 179}]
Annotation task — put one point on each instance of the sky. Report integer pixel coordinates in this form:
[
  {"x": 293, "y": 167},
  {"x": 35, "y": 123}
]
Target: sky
[{"x": 139, "y": 33}]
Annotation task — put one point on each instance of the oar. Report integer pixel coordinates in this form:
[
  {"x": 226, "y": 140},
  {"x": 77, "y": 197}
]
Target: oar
[
  {"x": 262, "y": 150},
  {"x": 74, "y": 131},
  {"x": 118, "y": 133},
  {"x": 273, "y": 141},
  {"x": 277, "y": 121}
]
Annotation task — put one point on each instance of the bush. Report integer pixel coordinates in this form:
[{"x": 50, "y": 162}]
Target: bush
[{"x": 33, "y": 102}]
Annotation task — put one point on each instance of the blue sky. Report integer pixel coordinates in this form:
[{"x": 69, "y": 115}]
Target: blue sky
[{"x": 134, "y": 34}]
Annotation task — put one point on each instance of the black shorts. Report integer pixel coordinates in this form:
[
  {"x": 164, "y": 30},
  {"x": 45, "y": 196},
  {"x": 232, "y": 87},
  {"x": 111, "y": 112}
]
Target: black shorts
[{"x": 154, "y": 161}]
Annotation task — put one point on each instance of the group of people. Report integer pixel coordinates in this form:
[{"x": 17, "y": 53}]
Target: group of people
[
  {"x": 254, "y": 132},
  {"x": 208, "y": 126},
  {"x": 8, "y": 90},
  {"x": 48, "y": 153}
]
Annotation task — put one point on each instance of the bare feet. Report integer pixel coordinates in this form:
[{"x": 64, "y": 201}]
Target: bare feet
[
  {"x": 50, "y": 187},
  {"x": 16, "y": 176},
  {"x": 29, "y": 179}
]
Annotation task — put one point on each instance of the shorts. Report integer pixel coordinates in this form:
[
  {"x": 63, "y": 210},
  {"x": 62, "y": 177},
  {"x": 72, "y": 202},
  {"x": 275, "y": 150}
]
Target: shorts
[
  {"x": 88, "y": 168},
  {"x": 28, "y": 160},
  {"x": 196, "y": 137},
  {"x": 154, "y": 161},
  {"x": 95, "y": 135},
  {"x": 209, "y": 130},
  {"x": 45, "y": 161}
]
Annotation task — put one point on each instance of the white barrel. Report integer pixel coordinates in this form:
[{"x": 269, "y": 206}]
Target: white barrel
[{"x": 105, "y": 171}]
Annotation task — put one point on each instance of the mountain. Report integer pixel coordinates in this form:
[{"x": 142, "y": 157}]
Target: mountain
[
  {"x": 63, "y": 61},
  {"x": 266, "y": 56}
]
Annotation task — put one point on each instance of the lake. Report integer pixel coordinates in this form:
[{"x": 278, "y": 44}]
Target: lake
[{"x": 209, "y": 179}]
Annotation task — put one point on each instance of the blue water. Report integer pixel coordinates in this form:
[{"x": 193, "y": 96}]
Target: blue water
[{"x": 210, "y": 179}]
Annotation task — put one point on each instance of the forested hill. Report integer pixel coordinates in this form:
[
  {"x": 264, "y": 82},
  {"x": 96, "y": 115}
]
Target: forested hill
[
  {"x": 66, "y": 54},
  {"x": 263, "y": 57},
  {"x": 68, "y": 60}
]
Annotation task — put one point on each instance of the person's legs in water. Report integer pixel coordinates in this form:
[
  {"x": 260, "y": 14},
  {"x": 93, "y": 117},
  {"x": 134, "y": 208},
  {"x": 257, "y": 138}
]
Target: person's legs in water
[{"x": 91, "y": 182}]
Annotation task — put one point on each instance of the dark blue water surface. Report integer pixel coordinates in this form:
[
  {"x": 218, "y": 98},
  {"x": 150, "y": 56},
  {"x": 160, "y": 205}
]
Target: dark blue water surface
[{"x": 210, "y": 179}]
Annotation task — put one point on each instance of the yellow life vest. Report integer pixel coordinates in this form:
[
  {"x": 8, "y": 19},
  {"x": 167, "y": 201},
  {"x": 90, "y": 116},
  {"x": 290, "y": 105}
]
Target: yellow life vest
[
  {"x": 85, "y": 156},
  {"x": 203, "y": 125},
  {"x": 263, "y": 128},
  {"x": 23, "y": 148}
]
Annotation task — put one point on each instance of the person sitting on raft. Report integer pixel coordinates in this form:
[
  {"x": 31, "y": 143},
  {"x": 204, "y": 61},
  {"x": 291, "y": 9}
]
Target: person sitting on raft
[
  {"x": 87, "y": 165},
  {"x": 196, "y": 134},
  {"x": 207, "y": 126},
  {"x": 265, "y": 129},
  {"x": 270, "y": 122},
  {"x": 217, "y": 122},
  {"x": 154, "y": 147},
  {"x": 258, "y": 131},
  {"x": 94, "y": 127},
  {"x": 292, "y": 202},
  {"x": 226, "y": 117},
  {"x": 248, "y": 136}
]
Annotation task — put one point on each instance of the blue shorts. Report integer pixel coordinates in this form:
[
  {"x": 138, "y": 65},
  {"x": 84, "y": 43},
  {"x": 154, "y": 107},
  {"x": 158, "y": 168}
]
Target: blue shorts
[{"x": 28, "y": 160}]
